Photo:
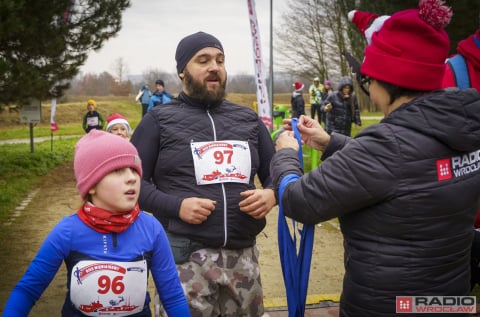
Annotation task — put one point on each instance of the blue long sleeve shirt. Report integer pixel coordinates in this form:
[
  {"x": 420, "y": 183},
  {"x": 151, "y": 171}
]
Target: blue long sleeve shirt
[{"x": 72, "y": 240}]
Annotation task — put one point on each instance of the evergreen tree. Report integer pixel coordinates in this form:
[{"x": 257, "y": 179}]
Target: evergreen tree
[{"x": 43, "y": 43}]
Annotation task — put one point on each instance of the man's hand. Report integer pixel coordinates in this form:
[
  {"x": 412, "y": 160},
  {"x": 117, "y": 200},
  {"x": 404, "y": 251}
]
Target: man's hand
[
  {"x": 257, "y": 202},
  {"x": 195, "y": 210}
]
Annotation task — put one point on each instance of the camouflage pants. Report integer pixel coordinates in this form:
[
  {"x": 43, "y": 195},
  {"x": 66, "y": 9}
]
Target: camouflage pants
[{"x": 221, "y": 282}]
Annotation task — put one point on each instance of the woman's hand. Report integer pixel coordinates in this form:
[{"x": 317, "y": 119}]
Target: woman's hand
[{"x": 312, "y": 133}]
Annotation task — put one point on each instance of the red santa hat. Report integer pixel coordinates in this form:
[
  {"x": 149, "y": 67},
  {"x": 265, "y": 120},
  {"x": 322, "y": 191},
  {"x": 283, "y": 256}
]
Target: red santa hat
[
  {"x": 361, "y": 19},
  {"x": 408, "y": 48},
  {"x": 298, "y": 85},
  {"x": 117, "y": 118}
]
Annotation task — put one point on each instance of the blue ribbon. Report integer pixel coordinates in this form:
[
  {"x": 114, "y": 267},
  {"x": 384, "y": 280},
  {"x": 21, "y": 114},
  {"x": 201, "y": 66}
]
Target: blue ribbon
[{"x": 295, "y": 266}]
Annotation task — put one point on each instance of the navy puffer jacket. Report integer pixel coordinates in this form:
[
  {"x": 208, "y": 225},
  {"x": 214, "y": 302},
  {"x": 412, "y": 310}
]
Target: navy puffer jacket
[
  {"x": 163, "y": 139},
  {"x": 344, "y": 112},
  {"x": 405, "y": 191}
]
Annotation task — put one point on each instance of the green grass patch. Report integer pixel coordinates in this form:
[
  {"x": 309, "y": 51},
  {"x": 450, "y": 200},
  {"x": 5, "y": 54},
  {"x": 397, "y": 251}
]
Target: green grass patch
[{"x": 20, "y": 169}]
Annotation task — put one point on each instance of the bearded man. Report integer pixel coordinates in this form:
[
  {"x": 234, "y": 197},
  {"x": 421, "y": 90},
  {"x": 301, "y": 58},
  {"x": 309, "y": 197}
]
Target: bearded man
[{"x": 200, "y": 154}]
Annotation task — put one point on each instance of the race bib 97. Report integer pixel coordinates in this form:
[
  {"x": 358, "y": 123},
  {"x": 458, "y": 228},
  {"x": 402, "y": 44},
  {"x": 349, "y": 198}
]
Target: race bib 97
[{"x": 221, "y": 162}]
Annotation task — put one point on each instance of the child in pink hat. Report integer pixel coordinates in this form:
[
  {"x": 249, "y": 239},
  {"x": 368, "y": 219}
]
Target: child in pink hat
[{"x": 108, "y": 246}]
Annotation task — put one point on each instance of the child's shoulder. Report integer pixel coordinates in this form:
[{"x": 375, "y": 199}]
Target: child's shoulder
[{"x": 147, "y": 217}]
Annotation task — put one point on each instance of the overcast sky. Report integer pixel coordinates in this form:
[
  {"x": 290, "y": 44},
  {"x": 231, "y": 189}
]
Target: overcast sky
[{"x": 151, "y": 30}]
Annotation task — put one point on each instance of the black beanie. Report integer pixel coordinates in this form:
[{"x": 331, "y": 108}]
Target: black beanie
[{"x": 191, "y": 44}]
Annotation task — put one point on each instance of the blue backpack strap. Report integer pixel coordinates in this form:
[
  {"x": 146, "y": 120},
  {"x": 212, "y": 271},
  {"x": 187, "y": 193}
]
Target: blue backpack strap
[{"x": 460, "y": 71}]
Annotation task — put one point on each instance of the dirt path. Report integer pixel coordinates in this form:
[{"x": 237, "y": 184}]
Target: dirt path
[{"x": 57, "y": 197}]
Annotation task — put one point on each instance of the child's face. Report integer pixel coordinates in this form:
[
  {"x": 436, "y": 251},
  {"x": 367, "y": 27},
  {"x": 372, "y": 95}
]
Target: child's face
[
  {"x": 90, "y": 108},
  {"x": 119, "y": 129},
  {"x": 118, "y": 191}
]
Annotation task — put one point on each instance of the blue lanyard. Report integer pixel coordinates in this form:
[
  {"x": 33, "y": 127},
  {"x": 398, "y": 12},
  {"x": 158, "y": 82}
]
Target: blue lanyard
[{"x": 295, "y": 266}]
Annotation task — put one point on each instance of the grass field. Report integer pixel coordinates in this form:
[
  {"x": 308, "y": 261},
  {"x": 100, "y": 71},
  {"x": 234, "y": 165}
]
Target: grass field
[{"x": 20, "y": 167}]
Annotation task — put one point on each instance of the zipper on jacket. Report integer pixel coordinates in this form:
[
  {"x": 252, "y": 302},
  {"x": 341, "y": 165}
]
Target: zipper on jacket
[{"x": 223, "y": 187}]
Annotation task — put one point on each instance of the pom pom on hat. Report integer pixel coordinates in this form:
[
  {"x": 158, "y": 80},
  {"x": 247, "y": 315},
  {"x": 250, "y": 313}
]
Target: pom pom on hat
[
  {"x": 97, "y": 154},
  {"x": 410, "y": 47},
  {"x": 298, "y": 85},
  {"x": 117, "y": 118},
  {"x": 435, "y": 13},
  {"x": 191, "y": 44}
]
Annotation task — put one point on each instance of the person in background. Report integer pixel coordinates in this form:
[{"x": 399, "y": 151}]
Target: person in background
[
  {"x": 468, "y": 56},
  {"x": 118, "y": 124},
  {"x": 200, "y": 155},
  {"x": 463, "y": 70},
  {"x": 160, "y": 96},
  {"x": 327, "y": 91},
  {"x": 143, "y": 97},
  {"x": 341, "y": 108},
  {"x": 315, "y": 93},
  {"x": 296, "y": 101},
  {"x": 405, "y": 190},
  {"x": 92, "y": 119},
  {"x": 108, "y": 246}
]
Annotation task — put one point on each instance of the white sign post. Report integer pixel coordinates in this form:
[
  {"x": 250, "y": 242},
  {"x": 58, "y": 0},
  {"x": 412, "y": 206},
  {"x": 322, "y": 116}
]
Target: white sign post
[{"x": 31, "y": 113}]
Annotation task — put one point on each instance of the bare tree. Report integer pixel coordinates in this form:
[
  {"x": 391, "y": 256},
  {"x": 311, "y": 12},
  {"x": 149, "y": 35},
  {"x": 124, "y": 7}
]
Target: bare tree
[
  {"x": 312, "y": 37},
  {"x": 172, "y": 83},
  {"x": 120, "y": 69}
]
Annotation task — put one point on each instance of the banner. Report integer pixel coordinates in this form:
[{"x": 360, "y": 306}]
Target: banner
[
  {"x": 53, "y": 125},
  {"x": 263, "y": 104}
]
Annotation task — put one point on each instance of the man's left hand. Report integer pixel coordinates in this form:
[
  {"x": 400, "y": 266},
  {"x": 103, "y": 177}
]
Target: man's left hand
[{"x": 257, "y": 202}]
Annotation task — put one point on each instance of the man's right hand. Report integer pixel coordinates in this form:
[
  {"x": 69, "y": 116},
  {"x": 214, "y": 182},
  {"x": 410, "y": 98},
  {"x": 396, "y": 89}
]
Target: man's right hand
[{"x": 195, "y": 210}]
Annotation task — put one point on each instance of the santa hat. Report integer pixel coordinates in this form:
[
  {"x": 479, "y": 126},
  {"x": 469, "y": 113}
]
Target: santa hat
[
  {"x": 408, "y": 48},
  {"x": 117, "y": 118},
  {"x": 298, "y": 85},
  {"x": 361, "y": 19}
]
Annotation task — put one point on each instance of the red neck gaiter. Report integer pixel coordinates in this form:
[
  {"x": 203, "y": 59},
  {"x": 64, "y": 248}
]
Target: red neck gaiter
[{"x": 104, "y": 221}]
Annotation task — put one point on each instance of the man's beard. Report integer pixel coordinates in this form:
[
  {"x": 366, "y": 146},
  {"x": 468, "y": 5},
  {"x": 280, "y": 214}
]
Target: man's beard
[{"x": 198, "y": 90}]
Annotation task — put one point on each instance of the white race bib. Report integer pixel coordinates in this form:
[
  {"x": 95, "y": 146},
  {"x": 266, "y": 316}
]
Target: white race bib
[
  {"x": 103, "y": 288},
  {"x": 221, "y": 162},
  {"x": 92, "y": 121}
]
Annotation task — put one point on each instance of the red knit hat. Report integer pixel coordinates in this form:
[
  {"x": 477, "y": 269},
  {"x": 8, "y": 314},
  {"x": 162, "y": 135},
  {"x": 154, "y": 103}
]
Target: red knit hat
[
  {"x": 117, "y": 118},
  {"x": 409, "y": 48},
  {"x": 298, "y": 85},
  {"x": 99, "y": 153}
]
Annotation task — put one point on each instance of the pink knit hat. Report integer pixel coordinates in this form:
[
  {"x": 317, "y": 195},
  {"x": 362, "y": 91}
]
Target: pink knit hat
[
  {"x": 409, "y": 48},
  {"x": 117, "y": 118},
  {"x": 99, "y": 153}
]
